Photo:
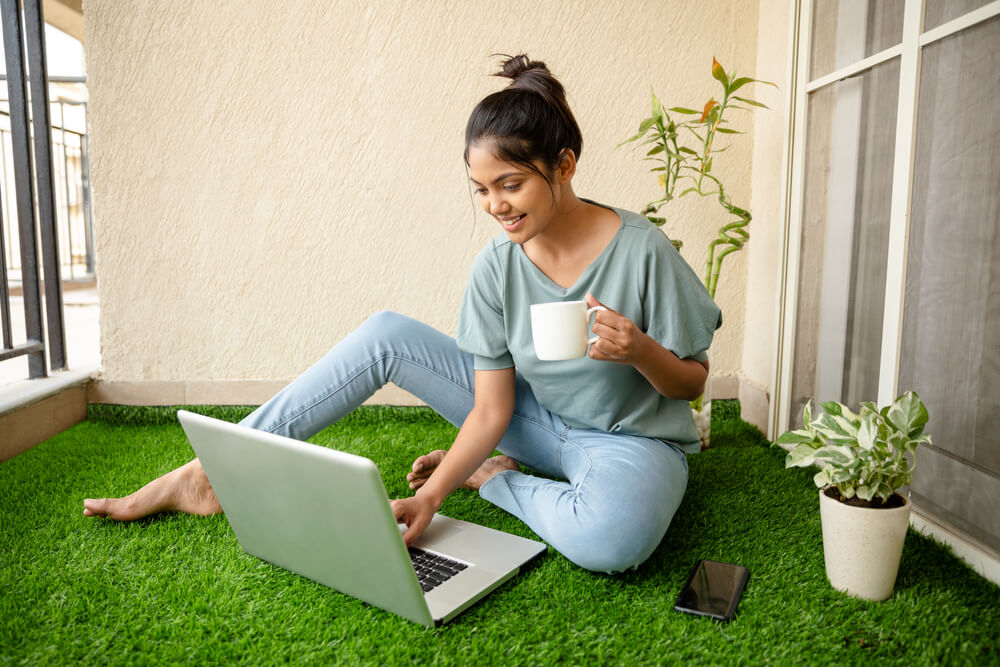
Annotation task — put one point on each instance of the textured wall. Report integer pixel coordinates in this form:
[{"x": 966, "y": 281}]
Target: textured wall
[
  {"x": 266, "y": 175},
  {"x": 763, "y": 253}
]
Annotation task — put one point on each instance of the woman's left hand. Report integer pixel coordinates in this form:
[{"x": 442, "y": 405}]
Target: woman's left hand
[{"x": 620, "y": 338}]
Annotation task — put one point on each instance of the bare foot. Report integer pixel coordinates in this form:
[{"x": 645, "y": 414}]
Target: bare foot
[
  {"x": 424, "y": 465},
  {"x": 185, "y": 489}
]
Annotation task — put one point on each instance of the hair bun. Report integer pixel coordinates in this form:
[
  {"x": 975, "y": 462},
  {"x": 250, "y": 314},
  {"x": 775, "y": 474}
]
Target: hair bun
[
  {"x": 514, "y": 67},
  {"x": 533, "y": 75}
]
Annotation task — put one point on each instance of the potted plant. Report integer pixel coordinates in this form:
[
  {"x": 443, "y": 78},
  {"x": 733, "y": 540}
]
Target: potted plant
[
  {"x": 684, "y": 151},
  {"x": 863, "y": 459}
]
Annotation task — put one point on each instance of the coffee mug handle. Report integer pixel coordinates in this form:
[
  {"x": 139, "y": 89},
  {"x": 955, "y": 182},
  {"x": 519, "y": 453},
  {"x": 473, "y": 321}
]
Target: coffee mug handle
[{"x": 589, "y": 313}]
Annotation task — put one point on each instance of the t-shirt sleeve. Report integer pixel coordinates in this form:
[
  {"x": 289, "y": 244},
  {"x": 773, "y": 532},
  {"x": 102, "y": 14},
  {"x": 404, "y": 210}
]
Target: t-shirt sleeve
[
  {"x": 481, "y": 330},
  {"x": 680, "y": 314}
]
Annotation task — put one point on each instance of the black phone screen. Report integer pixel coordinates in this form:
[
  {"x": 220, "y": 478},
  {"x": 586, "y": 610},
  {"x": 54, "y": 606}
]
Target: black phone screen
[{"x": 713, "y": 589}]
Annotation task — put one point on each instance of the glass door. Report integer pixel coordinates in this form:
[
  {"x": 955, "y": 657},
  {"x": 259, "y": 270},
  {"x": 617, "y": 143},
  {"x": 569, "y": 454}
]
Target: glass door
[
  {"x": 950, "y": 346},
  {"x": 892, "y": 239}
]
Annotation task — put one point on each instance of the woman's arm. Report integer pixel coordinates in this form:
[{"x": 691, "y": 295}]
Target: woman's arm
[
  {"x": 623, "y": 342},
  {"x": 673, "y": 377},
  {"x": 480, "y": 433}
]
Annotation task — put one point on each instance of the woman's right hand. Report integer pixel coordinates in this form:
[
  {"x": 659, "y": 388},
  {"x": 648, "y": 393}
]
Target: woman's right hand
[{"x": 416, "y": 512}]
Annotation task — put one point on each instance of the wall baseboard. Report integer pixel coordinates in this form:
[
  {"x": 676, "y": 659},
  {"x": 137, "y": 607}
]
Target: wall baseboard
[
  {"x": 214, "y": 392},
  {"x": 256, "y": 392},
  {"x": 725, "y": 387},
  {"x": 755, "y": 404}
]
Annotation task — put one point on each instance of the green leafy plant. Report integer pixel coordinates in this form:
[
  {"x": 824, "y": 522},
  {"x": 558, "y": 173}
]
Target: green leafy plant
[
  {"x": 684, "y": 151},
  {"x": 868, "y": 455}
]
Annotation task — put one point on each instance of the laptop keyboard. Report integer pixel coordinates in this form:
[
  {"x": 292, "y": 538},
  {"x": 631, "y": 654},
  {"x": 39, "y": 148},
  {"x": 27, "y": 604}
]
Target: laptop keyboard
[{"x": 433, "y": 570}]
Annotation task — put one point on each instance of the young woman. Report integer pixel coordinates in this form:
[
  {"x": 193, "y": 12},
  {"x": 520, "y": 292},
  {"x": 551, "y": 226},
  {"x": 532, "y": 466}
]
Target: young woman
[{"x": 610, "y": 428}]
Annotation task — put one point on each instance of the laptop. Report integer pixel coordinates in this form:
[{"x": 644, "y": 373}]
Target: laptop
[{"x": 325, "y": 514}]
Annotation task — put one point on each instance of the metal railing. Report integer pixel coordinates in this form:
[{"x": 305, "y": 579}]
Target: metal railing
[
  {"x": 38, "y": 237},
  {"x": 71, "y": 176}
]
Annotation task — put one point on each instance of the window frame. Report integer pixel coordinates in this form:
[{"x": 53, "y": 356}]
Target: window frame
[{"x": 793, "y": 181}]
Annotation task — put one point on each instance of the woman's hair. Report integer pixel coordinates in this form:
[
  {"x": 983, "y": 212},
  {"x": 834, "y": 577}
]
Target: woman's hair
[{"x": 526, "y": 121}]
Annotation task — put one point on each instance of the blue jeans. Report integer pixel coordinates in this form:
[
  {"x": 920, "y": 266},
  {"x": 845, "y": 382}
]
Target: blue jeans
[{"x": 620, "y": 491}]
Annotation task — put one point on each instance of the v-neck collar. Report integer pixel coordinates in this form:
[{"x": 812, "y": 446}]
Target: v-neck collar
[{"x": 590, "y": 267}]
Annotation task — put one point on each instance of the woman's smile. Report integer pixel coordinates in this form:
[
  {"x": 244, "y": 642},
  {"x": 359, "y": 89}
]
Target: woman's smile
[{"x": 512, "y": 223}]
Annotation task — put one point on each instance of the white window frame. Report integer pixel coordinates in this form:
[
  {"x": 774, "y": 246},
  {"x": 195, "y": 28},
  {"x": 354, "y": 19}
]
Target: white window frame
[{"x": 793, "y": 176}]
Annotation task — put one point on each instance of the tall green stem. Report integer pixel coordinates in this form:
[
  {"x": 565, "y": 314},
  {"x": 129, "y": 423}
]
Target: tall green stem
[{"x": 734, "y": 235}]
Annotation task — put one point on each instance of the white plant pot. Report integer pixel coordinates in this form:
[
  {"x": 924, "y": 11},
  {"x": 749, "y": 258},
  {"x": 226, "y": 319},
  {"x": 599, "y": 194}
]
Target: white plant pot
[
  {"x": 703, "y": 424},
  {"x": 862, "y": 546},
  {"x": 703, "y": 418}
]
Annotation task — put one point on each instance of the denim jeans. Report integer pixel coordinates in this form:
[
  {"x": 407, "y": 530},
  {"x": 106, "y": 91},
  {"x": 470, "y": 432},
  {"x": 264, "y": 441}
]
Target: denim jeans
[{"x": 613, "y": 497}]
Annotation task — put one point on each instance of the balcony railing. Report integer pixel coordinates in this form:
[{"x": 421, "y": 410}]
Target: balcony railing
[
  {"x": 34, "y": 193},
  {"x": 71, "y": 184}
]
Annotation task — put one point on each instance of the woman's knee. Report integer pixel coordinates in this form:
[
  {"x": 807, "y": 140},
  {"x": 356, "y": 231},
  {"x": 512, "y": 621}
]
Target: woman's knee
[
  {"x": 387, "y": 324},
  {"x": 611, "y": 547},
  {"x": 379, "y": 334},
  {"x": 617, "y": 526}
]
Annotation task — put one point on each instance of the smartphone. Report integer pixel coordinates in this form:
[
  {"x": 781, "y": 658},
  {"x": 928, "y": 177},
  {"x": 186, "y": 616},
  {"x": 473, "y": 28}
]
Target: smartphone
[{"x": 713, "y": 589}]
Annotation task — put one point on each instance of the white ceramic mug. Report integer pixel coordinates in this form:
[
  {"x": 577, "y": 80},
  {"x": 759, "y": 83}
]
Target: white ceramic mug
[{"x": 559, "y": 329}]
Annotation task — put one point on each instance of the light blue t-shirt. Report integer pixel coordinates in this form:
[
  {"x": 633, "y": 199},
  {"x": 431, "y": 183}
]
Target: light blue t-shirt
[{"x": 639, "y": 274}]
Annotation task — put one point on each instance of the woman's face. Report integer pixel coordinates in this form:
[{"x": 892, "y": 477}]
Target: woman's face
[{"x": 519, "y": 199}]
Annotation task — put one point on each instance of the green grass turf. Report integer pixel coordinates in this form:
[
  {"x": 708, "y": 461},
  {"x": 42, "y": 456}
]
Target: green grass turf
[{"x": 176, "y": 588}]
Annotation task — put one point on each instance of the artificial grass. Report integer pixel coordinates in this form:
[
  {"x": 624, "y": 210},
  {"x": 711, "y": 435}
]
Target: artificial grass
[{"x": 178, "y": 588}]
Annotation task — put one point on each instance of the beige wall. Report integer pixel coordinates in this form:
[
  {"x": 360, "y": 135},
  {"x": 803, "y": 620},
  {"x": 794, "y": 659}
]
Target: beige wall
[
  {"x": 266, "y": 175},
  {"x": 763, "y": 255}
]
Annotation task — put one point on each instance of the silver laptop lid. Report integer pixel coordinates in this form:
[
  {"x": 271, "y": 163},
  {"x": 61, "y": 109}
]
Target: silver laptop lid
[{"x": 321, "y": 513}]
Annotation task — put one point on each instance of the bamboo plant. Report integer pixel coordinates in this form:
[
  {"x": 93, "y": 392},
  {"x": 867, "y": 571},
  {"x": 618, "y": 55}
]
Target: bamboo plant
[{"x": 684, "y": 151}]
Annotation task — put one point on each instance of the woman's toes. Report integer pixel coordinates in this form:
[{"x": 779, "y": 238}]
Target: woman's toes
[
  {"x": 426, "y": 463},
  {"x": 423, "y": 467},
  {"x": 114, "y": 508},
  {"x": 93, "y": 507},
  {"x": 101, "y": 506}
]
